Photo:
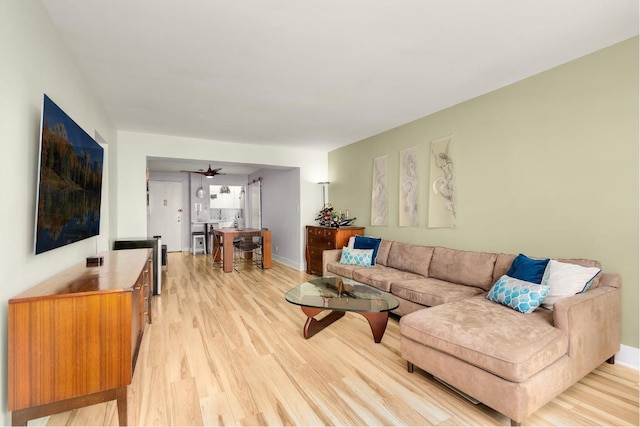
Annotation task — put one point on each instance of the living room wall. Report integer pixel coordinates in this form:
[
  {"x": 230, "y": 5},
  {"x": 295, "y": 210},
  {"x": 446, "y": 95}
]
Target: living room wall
[
  {"x": 35, "y": 61},
  {"x": 281, "y": 213},
  {"x": 547, "y": 166}
]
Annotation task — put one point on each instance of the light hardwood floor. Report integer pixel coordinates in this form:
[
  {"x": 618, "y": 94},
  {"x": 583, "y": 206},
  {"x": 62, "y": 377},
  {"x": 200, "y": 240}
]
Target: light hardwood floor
[{"x": 227, "y": 349}]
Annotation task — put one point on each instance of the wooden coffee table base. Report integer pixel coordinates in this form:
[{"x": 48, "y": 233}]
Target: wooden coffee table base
[{"x": 377, "y": 321}]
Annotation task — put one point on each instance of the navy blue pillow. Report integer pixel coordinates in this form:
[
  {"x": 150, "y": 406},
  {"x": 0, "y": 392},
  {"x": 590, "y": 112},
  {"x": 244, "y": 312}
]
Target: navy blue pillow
[
  {"x": 527, "y": 269},
  {"x": 362, "y": 242}
]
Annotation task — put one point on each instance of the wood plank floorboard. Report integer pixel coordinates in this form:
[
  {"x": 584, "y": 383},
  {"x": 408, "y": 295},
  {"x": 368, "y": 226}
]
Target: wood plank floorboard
[{"x": 227, "y": 349}]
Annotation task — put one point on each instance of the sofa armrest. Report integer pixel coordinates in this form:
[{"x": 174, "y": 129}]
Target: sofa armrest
[
  {"x": 592, "y": 322},
  {"x": 328, "y": 256},
  {"x": 608, "y": 279}
]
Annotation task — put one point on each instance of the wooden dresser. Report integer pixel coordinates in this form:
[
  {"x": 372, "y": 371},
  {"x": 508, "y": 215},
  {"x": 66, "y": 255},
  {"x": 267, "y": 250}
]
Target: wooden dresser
[
  {"x": 320, "y": 239},
  {"x": 73, "y": 339}
]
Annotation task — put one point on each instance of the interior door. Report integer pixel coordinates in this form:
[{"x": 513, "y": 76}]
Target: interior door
[{"x": 165, "y": 213}]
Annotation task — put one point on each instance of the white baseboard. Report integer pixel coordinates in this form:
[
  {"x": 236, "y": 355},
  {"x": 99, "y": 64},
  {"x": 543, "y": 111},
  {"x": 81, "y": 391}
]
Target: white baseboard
[
  {"x": 628, "y": 356},
  {"x": 285, "y": 261}
]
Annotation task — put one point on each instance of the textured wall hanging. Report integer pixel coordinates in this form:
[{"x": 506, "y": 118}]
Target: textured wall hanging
[
  {"x": 379, "y": 192},
  {"x": 408, "y": 209},
  {"x": 442, "y": 196}
]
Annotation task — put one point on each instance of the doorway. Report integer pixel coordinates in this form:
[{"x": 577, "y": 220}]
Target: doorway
[{"x": 165, "y": 213}]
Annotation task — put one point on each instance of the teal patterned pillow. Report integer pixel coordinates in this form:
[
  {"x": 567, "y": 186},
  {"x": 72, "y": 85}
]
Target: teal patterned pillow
[
  {"x": 360, "y": 257},
  {"x": 518, "y": 294}
]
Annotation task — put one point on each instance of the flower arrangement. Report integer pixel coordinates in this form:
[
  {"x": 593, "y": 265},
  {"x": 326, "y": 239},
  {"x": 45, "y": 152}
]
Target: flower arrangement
[{"x": 328, "y": 217}]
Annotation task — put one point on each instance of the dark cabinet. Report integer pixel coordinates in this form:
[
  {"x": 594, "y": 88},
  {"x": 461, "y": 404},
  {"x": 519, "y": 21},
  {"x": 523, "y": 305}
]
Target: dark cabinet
[{"x": 319, "y": 239}]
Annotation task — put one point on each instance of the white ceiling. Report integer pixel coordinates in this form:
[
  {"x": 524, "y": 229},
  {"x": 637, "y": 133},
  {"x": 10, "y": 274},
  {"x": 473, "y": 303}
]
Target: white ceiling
[{"x": 318, "y": 74}]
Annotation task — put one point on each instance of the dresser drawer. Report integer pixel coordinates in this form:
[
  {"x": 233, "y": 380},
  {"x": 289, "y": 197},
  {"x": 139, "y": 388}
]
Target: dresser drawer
[
  {"x": 315, "y": 231},
  {"x": 316, "y": 265},
  {"x": 323, "y": 242},
  {"x": 329, "y": 232},
  {"x": 315, "y": 253}
]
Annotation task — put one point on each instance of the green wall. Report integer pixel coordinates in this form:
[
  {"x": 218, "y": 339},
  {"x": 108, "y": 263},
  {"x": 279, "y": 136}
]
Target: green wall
[{"x": 547, "y": 166}]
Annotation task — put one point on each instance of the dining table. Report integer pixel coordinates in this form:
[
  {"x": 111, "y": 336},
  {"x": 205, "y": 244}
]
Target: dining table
[{"x": 228, "y": 234}]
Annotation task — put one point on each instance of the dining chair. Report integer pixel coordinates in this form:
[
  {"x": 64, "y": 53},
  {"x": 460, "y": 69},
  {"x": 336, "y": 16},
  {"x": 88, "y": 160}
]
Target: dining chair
[
  {"x": 216, "y": 249},
  {"x": 248, "y": 249}
]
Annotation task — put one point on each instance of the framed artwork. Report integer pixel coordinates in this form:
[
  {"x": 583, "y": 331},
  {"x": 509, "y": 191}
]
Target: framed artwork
[
  {"x": 379, "y": 203},
  {"x": 408, "y": 203},
  {"x": 442, "y": 195}
]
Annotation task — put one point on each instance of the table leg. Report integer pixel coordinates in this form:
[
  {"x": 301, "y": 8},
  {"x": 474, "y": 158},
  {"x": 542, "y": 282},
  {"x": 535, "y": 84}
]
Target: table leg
[
  {"x": 121, "y": 401},
  {"x": 378, "y": 324},
  {"x": 22, "y": 416},
  {"x": 227, "y": 250},
  {"x": 19, "y": 417},
  {"x": 266, "y": 248},
  {"x": 313, "y": 326}
]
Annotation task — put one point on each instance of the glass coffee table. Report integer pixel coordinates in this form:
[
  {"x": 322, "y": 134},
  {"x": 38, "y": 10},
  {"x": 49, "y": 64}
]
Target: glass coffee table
[{"x": 341, "y": 295}]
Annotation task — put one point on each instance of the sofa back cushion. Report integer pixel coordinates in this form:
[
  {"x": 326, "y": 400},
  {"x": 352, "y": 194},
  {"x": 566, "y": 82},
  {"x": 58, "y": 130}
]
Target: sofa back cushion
[
  {"x": 502, "y": 265},
  {"x": 463, "y": 267},
  {"x": 411, "y": 258},
  {"x": 383, "y": 251}
]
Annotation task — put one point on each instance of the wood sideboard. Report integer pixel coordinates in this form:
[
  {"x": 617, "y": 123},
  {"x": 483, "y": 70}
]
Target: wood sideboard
[
  {"x": 321, "y": 238},
  {"x": 73, "y": 339}
]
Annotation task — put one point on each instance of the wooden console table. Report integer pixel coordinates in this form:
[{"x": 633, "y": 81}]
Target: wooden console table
[{"x": 73, "y": 339}]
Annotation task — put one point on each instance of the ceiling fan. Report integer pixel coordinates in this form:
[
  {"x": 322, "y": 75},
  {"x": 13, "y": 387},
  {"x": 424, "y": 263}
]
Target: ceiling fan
[{"x": 209, "y": 173}]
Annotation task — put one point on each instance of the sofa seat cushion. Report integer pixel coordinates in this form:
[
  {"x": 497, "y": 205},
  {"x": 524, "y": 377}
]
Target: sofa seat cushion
[
  {"x": 344, "y": 270},
  {"x": 381, "y": 277},
  {"x": 431, "y": 292},
  {"x": 502, "y": 341}
]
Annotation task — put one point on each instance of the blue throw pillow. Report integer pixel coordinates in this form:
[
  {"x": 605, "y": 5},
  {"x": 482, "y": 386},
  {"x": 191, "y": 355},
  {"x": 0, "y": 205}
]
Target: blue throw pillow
[
  {"x": 527, "y": 269},
  {"x": 517, "y": 294},
  {"x": 361, "y": 257},
  {"x": 364, "y": 242}
]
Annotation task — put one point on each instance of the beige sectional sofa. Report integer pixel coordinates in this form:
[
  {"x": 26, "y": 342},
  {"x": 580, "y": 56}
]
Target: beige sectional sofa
[{"x": 512, "y": 362}]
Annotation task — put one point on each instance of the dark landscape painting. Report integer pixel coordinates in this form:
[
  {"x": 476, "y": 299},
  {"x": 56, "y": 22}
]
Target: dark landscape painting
[{"x": 70, "y": 181}]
